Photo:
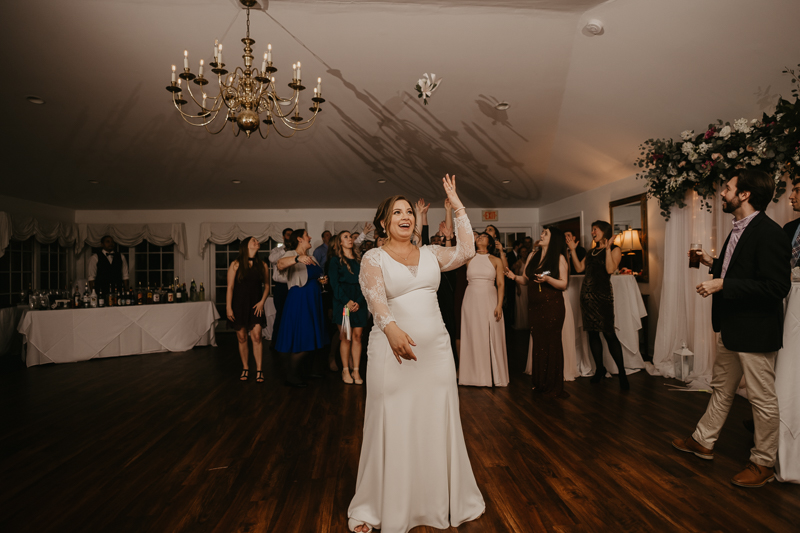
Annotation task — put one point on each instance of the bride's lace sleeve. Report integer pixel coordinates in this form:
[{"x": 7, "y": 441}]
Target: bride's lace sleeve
[
  {"x": 374, "y": 289},
  {"x": 452, "y": 258}
]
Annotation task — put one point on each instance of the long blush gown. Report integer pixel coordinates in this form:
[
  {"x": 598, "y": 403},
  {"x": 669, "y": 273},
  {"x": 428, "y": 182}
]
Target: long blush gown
[
  {"x": 483, "y": 358},
  {"x": 414, "y": 469}
]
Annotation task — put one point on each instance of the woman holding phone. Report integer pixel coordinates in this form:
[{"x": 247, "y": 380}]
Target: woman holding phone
[{"x": 546, "y": 274}]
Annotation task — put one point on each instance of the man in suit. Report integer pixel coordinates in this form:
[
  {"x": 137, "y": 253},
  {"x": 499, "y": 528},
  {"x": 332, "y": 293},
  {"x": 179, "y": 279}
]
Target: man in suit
[
  {"x": 750, "y": 280},
  {"x": 108, "y": 268},
  {"x": 792, "y": 228}
]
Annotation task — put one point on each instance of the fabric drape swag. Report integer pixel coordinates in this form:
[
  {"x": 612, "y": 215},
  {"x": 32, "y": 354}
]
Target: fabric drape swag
[
  {"x": 22, "y": 227},
  {"x": 227, "y": 232},
  {"x": 336, "y": 227},
  {"x": 161, "y": 234}
]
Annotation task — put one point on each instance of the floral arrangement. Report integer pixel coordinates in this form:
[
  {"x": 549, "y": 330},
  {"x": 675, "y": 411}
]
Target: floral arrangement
[
  {"x": 702, "y": 161},
  {"x": 426, "y": 85}
]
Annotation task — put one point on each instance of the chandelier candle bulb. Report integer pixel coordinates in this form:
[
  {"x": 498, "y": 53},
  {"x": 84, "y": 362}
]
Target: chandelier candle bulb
[
  {"x": 298, "y": 70},
  {"x": 216, "y": 44},
  {"x": 219, "y": 56},
  {"x": 264, "y": 64},
  {"x": 186, "y": 59},
  {"x": 319, "y": 85},
  {"x": 201, "y": 68},
  {"x": 174, "y": 77},
  {"x": 269, "y": 53}
]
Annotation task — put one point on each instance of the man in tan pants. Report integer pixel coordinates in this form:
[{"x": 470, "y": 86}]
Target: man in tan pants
[{"x": 750, "y": 279}]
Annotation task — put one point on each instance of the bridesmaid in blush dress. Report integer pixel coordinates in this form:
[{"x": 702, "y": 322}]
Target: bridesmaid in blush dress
[
  {"x": 414, "y": 469},
  {"x": 546, "y": 275},
  {"x": 483, "y": 360}
]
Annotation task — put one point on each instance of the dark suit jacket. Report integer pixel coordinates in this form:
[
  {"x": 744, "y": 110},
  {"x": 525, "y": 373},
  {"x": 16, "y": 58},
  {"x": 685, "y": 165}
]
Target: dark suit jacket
[
  {"x": 790, "y": 228},
  {"x": 748, "y": 311}
]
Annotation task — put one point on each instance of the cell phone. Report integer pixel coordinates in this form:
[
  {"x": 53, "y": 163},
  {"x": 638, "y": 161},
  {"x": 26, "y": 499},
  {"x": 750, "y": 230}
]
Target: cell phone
[
  {"x": 543, "y": 274},
  {"x": 279, "y": 245}
]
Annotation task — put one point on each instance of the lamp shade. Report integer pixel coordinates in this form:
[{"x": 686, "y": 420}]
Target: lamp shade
[{"x": 628, "y": 240}]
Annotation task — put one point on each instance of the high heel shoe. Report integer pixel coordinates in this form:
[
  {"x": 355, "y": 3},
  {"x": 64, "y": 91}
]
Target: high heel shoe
[
  {"x": 346, "y": 376},
  {"x": 259, "y": 376},
  {"x": 357, "y": 380},
  {"x": 243, "y": 377},
  {"x": 599, "y": 374}
]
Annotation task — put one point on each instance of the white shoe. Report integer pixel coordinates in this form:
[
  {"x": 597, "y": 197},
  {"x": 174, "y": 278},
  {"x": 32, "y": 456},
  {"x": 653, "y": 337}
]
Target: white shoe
[
  {"x": 358, "y": 379},
  {"x": 346, "y": 376}
]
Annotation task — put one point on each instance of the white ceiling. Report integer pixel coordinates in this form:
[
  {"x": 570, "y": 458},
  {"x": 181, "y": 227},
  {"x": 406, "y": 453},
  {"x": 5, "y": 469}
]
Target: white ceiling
[{"x": 579, "y": 105}]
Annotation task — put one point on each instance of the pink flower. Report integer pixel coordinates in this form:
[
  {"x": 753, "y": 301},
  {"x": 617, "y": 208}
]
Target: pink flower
[{"x": 710, "y": 133}]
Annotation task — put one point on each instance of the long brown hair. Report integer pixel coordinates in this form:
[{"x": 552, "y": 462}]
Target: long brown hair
[
  {"x": 383, "y": 216},
  {"x": 335, "y": 249},
  {"x": 244, "y": 261}
]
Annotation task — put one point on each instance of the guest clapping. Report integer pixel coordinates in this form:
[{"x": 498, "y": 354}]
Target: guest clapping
[
  {"x": 483, "y": 359},
  {"x": 546, "y": 275},
  {"x": 344, "y": 267},
  {"x": 597, "y": 298},
  {"x": 302, "y": 326},
  {"x": 248, "y": 288}
]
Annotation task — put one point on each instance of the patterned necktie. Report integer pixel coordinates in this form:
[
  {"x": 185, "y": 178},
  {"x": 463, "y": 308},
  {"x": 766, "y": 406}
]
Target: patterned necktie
[{"x": 796, "y": 251}]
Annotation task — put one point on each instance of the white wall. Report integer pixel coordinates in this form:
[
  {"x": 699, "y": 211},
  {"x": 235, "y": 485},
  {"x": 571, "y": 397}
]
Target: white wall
[
  {"x": 197, "y": 268},
  {"x": 44, "y": 211},
  {"x": 594, "y": 205}
]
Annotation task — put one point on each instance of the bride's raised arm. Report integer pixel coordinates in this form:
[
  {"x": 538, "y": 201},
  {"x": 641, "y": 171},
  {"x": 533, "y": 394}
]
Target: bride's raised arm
[{"x": 452, "y": 258}]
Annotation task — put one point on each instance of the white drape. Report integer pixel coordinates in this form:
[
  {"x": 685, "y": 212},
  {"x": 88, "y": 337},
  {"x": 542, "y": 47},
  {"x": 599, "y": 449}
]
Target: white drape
[
  {"x": 336, "y": 227},
  {"x": 133, "y": 234},
  {"x": 225, "y": 232},
  {"x": 22, "y": 227},
  {"x": 685, "y": 316}
]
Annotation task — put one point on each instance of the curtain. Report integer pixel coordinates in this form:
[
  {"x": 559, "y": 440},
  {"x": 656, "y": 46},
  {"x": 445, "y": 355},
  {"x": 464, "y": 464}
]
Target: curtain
[
  {"x": 336, "y": 227},
  {"x": 22, "y": 227},
  {"x": 133, "y": 234},
  {"x": 685, "y": 316},
  {"x": 225, "y": 232}
]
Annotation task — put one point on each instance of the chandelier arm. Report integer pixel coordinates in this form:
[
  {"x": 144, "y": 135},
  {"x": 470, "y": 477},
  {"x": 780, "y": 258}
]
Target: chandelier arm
[
  {"x": 209, "y": 130},
  {"x": 200, "y": 124},
  {"x": 187, "y": 116}
]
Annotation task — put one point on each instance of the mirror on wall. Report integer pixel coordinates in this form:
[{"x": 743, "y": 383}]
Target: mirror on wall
[{"x": 629, "y": 224}]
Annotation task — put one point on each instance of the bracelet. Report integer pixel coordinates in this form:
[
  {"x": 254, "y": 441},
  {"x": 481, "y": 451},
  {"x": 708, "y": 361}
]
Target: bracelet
[
  {"x": 296, "y": 259},
  {"x": 459, "y": 209}
]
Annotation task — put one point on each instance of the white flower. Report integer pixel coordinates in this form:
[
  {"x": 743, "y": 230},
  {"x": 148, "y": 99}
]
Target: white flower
[
  {"x": 692, "y": 156},
  {"x": 687, "y": 148},
  {"x": 426, "y": 85},
  {"x": 755, "y": 161},
  {"x": 741, "y": 126},
  {"x": 672, "y": 170},
  {"x": 703, "y": 148},
  {"x": 732, "y": 154},
  {"x": 687, "y": 135},
  {"x": 725, "y": 132}
]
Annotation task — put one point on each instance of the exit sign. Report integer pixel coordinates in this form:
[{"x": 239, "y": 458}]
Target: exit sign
[{"x": 489, "y": 215}]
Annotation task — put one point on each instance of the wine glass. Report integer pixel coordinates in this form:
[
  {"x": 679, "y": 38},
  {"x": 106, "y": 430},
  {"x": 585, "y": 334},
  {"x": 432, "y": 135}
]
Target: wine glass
[{"x": 323, "y": 279}]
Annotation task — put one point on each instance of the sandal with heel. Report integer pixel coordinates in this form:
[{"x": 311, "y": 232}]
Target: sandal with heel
[
  {"x": 259, "y": 376},
  {"x": 244, "y": 376}
]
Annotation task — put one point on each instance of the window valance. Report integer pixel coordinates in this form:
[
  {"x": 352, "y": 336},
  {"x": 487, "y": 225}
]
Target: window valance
[
  {"x": 133, "y": 234},
  {"x": 336, "y": 227},
  {"x": 22, "y": 227},
  {"x": 226, "y": 232}
]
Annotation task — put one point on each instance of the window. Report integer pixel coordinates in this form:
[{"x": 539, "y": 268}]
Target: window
[
  {"x": 53, "y": 267},
  {"x": 153, "y": 265},
  {"x": 224, "y": 255},
  {"x": 16, "y": 271}
]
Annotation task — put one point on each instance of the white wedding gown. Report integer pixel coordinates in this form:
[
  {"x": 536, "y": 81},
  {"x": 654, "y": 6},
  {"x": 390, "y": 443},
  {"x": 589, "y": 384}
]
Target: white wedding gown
[{"x": 414, "y": 468}]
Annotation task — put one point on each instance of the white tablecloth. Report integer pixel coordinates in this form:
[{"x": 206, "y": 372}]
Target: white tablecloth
[
  {"x": 628, "y": 313},
  {"x": 9, "y": 319},
  {"x": 66, "y": 336},
  {"x": 787, "y": 379}
]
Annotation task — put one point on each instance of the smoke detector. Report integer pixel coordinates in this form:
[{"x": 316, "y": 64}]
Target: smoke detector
[{"x": 593, "y": 28}]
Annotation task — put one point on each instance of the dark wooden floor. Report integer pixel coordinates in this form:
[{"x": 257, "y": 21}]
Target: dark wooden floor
[{"x": 174, "y": 443}]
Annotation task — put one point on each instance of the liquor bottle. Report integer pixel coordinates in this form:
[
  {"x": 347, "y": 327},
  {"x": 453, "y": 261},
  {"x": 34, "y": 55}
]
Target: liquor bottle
[
  {"x": 110, "y": 297},
  {"x": 178, "y": 293},
  {"x": 156, "y": 295},
  {"x": 170, "y": 295},
  {"x": 202, "y": 294},
  {"x": 129, "y": 297},
  {"x": 86, "y": 299},
  {"x": 193, "y": 292},
  {"x": 93, "y": 299},
  {"x": 149, "y": 297},
  {"x": 185, "y": 293},
  {"x": 139, "y": 295},
  {"x": 76, "y": 299}
]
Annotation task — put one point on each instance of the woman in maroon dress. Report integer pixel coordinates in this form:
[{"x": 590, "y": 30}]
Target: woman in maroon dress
[
  {"x": 546, "y": 274},
  {"x": 245, "y": 302}
]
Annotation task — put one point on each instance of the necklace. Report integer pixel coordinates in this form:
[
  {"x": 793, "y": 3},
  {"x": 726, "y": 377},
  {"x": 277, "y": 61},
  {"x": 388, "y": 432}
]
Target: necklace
[
  {"x": 398, "y": 255},
  {"x": 598, "y": 251}
]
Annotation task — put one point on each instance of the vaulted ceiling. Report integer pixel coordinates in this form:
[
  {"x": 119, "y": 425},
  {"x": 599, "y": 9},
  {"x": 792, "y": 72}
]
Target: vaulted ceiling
[{"x": 580, "y": 104}]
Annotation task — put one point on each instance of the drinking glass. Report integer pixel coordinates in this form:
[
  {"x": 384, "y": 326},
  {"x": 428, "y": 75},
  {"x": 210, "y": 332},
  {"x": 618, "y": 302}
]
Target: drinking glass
[{"x": 694, "y": 257}]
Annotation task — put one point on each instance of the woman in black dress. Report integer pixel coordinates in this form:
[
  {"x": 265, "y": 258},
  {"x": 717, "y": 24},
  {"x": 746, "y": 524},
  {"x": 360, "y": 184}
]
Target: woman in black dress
[
  {"x": 245, "y": 302},
  {"x": 597, "y": 298},
  {"x": 546, "y": 274}
]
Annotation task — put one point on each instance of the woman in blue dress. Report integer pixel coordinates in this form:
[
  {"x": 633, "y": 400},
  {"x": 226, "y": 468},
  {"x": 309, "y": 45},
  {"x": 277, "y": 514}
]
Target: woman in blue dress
[
  {"x": 302, "y": 326},
  {"x": 344, "y": 266}
]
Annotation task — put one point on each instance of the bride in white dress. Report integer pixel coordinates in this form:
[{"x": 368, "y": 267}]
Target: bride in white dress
[{"x": 414, "y": 469}]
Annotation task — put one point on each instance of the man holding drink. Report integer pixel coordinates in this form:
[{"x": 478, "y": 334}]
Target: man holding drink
[{"x": 750, "y": 280}]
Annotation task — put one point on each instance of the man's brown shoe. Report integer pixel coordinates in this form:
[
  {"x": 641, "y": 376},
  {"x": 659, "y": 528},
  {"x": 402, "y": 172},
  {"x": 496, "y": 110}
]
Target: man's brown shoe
[
  {"x": 754, "y": 476},
  {"x": 690, "y": 445}
]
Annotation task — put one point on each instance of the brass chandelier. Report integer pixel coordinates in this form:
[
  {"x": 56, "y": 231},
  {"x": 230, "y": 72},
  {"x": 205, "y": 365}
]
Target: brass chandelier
[{"x": 244, "y": 95}]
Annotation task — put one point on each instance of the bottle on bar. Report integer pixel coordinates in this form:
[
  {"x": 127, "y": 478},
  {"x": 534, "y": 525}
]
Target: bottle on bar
[
  {"x": 139, "y": 295},
  {"x": 170, "y": 295},
  {"x": 149, "y": 298},
  {"x": 193, "y": 292},
  {"x": 178, "y": 293},
  {"x": 76, "y": 299},
  {"x": 111, "y": 292},
  {"x": 201, "y": 295},
  {"x": 101, "y": 298},
  {"x": 156, "y": 296},
  {"x": 85, "y": 299},
  {"x": 93, "y": 299}
]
